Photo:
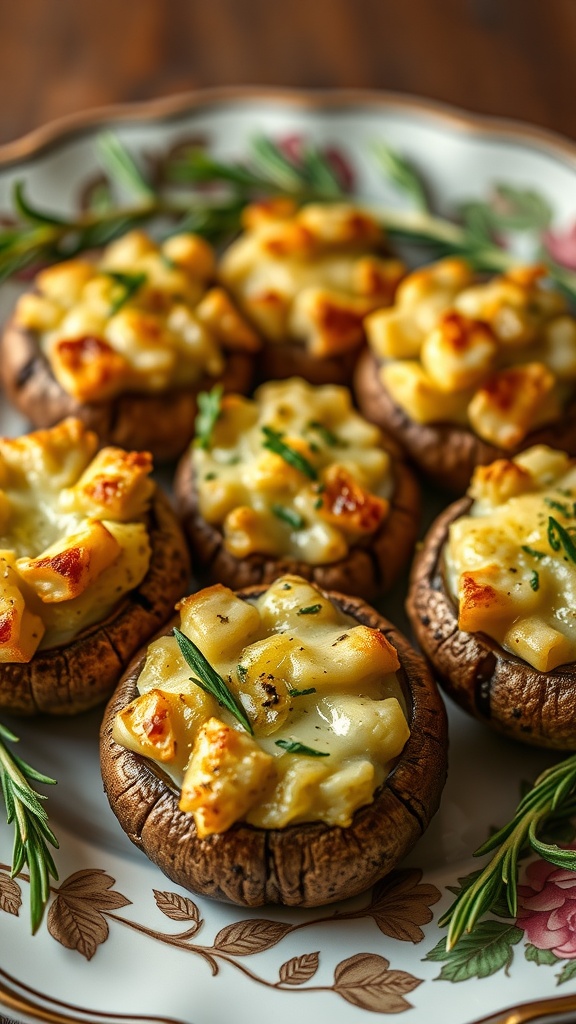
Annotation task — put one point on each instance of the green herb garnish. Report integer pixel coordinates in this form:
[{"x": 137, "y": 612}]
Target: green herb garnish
[
  {"x": 301, "y": 693},
  {"x": 274, "y": 443},
  {"x": 208, "y": 679},
  {"x": 535, "y": 580},
  {"x": 558, "y": 538},
  {"x": 559, "y": 506},
  {"x": 326, "y": 434},
  {"x": 533, "y": 552},
  {"x": 129, "y": 284},
  {"x": 311, "y": 609},
  {"x": 32, "y": 832},
  {"x": 241, "y": 672},
  {"x": 289, "y": 516},
  {"x": 209, "y": 410},
  {"x": 293, "y": 747},
  {"x": 551, "y": 797}
]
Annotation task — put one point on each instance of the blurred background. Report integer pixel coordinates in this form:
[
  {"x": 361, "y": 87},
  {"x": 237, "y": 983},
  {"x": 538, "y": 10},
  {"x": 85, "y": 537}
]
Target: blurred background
[{"x": 514, "y": 58}]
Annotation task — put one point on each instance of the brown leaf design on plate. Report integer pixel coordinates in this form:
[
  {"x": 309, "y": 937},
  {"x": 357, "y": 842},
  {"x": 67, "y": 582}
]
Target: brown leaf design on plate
[
  {"x": 400, "y": 904},
  {"x": 365, "y": 980},
  {"x": 76, "y": 917},
  {"x": 299, "y": 969},
  {"x": 247, "y": 937},
  {"x": 10, "y": 895},
  {"x": 177, "y": 908}
]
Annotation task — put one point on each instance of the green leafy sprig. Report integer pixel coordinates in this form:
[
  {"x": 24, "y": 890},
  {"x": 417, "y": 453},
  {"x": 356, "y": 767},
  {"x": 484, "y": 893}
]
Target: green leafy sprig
[
  {"x": 551, "y": 798},
  {"x": 209, "y": 410},
  {"x": 202, "y": 194},
  {"x": 32, "y": 833},
  {"x": 209, "y": 680}
]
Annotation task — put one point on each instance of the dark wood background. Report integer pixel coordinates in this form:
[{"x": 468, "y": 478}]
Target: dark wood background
[{"x": 515, "y": 58}]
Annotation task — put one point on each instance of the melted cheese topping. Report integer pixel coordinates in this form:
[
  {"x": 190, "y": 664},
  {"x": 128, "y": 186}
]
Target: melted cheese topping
[
  {"x": 73, "y": 539},
  {"x": 310, "y": 275},
  {"x": 306, "y": 675},
  {"x": 511, "y": 563},
  {"x": 141, "y": 318},
  {"x": 317, "y": 485},
  {"x": 499, "y": 357}
]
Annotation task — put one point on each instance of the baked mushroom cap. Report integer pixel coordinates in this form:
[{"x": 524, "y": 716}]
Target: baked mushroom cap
[
  {"x": 161, "y": 423},
  {"x": 301, "y": 865},
  {"x": 369, "y": 570},
  {"x": 491, "y": 684},
  {"x": 446, "y": 452},
  {"x": 82, "y": 674}
]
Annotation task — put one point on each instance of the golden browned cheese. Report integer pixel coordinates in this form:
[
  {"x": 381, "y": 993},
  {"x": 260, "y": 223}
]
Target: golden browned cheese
[
  {"x": 310, "y": 275},
  {"x": 497, "y": 356},
  {"x": 511, "y": 563},
  {"x": 294, "y": 471},
  {"x": 142, "y": 317},
  {"x": 320, "y": 693},
  {"x": 73, "y": 537}
]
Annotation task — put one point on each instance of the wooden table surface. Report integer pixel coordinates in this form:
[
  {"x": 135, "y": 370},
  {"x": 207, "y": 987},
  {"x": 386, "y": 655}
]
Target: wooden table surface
[{"x": 514, "y": 58}]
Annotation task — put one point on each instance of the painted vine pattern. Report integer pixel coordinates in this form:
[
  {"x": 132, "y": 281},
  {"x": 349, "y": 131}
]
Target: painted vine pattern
[{"x": 85, "y": 905}]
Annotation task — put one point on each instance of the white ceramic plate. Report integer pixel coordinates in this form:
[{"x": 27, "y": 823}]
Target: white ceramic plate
[{"x": 121, "y": 943}]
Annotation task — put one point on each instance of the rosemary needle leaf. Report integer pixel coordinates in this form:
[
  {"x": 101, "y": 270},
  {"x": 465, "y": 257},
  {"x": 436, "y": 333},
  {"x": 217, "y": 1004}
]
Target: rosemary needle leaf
[
  {"x": 209, "y": 411},
  {"x": 32, "y": 832},
  {"x": 209, "y": 680},
  {"x": 121, "y": 166},
  {"x": 29, "y": 212},
  {"x": 274, "y": 443}
]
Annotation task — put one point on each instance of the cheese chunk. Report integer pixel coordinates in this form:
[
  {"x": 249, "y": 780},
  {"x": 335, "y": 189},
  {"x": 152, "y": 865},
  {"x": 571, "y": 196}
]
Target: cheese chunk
[
  {"x": 320, "y": 692},
  {"x": 141, "y": 317},
  {"x": 310, "y": 275},
  {"x": 498, "y": 356},
  {"x": 511, "y": 563},
  {"x": 73, "y": 534},
  {"x": 295, "y": 471}
]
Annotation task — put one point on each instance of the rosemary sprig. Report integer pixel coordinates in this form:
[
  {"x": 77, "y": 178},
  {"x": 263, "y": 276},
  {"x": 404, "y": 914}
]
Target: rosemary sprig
[
  {"x": 182, "y": 197},
  {"x": 128, "y": 285},
  {"x": 551, "y": 796},
  {"x": 32, "y": 833},
  {"x": 209, "y": 680},
  {"x": 209, "y": 410}
]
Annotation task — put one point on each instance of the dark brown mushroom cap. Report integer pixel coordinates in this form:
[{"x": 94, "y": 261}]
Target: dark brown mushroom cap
[
  {"x": 494, "y": 686},
  {"x": 302, "y": 865},
  {"x": 445, "y": 452},
  {"x": 82, "y": 674},
  {"x": 280, "y": 360},
  {"x": 161, "y": 423},
  {"x": 368, "y": 570}
]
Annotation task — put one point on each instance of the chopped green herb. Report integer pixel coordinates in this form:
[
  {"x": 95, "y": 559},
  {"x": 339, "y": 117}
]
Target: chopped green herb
[
  {"x": 208, "y": 679},
  {"x": 129, "y": 284},
  {"x": 533, "y": 552},
  {"x": 210, "y": 476},
  {"x": 209, "y": 409},
  {"x": 293, "y": 747},
  {"x": 535, "y": 580},
  {"x": 241, "y": 672},
  {"x": 559, "y": 506},
  {"x": 318, "y": 503},
  {"x": 301, "y": 693},
  {"x": 558, "y": 538},
  {"x": 286, "y": 586},
  {"x": 311, "y": 609},
  {"x": 274, "y": 443},
  {"x": 326, "y": 434},
  {"x": 289, "y": 516}
]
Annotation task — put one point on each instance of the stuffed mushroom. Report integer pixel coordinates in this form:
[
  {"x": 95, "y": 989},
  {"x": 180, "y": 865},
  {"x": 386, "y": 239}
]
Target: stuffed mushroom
[
  {"x": 306, "y": 278},
  {"x": 125, "y": 341},
  {"x": 493, "y": 597},
  {"x": 91, "y": 562},
  {"x": 282, "y": 745},
  {"x": 462, "y": 371},
  {"x": 294, "y": 480}
]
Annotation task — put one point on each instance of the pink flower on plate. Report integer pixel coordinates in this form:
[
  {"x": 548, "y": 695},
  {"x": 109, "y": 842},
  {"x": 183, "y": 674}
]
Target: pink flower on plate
[
  {"x": 562, "y": 246},
  {"x": 548, "y": 908}
]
